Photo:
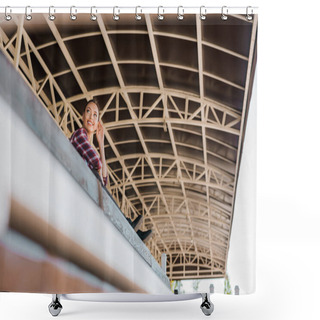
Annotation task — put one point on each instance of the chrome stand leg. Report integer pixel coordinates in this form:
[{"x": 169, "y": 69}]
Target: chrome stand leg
[
  {"x": 206, "y": 305},
  {"x": 55, "y": 306}
]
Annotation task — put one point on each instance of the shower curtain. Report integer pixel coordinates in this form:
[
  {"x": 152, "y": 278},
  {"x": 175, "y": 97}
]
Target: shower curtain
[{"x": 127, "y": 153}]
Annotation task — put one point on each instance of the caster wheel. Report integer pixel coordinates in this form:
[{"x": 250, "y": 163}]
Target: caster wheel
[
  {"x": 207, "y": 308},
  {"x": 55, "y": 308}
]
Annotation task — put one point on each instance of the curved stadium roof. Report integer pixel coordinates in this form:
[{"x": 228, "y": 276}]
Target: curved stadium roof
[{"x": 174, "y": 97}]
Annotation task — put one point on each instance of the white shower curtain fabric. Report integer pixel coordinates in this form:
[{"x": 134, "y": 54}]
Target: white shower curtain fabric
[{"x": 128, "y": 154}]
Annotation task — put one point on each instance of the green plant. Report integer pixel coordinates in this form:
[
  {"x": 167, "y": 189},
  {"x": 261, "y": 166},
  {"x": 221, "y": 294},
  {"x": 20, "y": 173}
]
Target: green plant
[{"x": 227, "y": 285}]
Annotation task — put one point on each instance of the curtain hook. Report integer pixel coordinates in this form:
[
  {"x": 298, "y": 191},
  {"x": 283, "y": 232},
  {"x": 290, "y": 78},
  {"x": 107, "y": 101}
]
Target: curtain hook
[
  {"x": 138, "y": 17},
  {"x": 203, "y": 13},
  {"x": 93, "y": 17},
  {"x": 180, "y": 13},
  {"x": 73, "y": 16},
  {"x": 116, "y": 15},
  {"x": 51, "y": 16},
  {"x": 28, "y": 15},
  {"x": 249, "y": 16},
  {"x": 8, "y": 17},
  {"x": 160, "y": 15},
  {"x": 224, "y": 12}
]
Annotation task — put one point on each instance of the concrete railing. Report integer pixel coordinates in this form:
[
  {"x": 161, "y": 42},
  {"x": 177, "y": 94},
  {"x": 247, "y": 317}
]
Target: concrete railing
[{"x": 22, "y": 115}]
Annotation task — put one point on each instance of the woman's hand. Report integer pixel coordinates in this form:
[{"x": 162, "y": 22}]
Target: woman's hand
[{"x": 100, "y": 135}]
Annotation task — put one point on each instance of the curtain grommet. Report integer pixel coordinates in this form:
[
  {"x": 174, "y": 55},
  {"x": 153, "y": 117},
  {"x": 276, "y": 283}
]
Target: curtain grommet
[
  {"x": 203, "y": 13},
  {"x": 28, "y": 15},
  {"x": 249, "y": 16},
  {"x": 160, "y": 15},
  {"x": 116, "y": 16},
  {"x": 180, "y": 13},
  {"x": 73, "y": 16},
  {"x": 51, "y": 16},
  {"x": 224, "y": 13},
  {"x": 93, "y": 17},
  {"x": 8, "y": 17},
  {"x": 138, "y": 15}
]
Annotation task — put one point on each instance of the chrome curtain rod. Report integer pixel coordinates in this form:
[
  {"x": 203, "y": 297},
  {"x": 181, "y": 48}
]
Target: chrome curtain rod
[{"x": 130, "y": 10}]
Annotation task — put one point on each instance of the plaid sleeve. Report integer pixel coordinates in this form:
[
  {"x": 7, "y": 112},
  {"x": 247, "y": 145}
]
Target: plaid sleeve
[{"x": 81, "y": 143}]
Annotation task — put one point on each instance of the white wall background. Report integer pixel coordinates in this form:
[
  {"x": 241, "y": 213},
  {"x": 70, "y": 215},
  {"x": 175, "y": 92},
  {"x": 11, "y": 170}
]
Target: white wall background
[
  {"x": 288, "y": 240},
  {"x": 242, "y": 253}
]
